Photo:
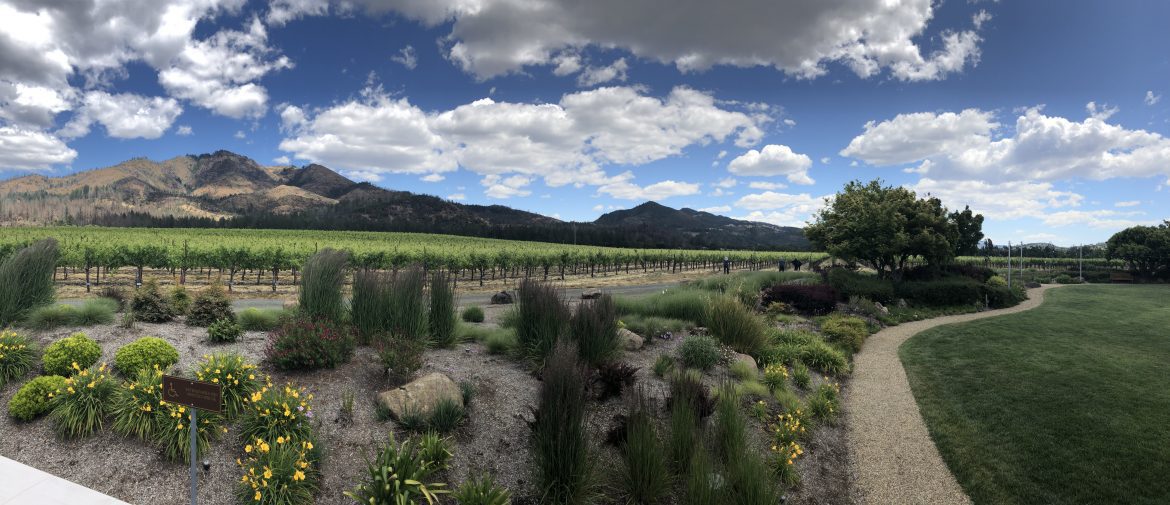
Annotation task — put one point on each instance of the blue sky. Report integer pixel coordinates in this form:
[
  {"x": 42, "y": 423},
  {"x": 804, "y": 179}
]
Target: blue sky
[{"x": 1050, "y": 121}]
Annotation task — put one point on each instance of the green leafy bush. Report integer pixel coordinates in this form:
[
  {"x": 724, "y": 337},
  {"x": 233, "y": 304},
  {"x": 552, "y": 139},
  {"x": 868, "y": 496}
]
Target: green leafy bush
[
  {"x": 18, "y": 355},
  {"x": 997, "y": 282},
  {"x": 472, "y": 314},
  {"x": 224, "y": 330},
  {"x": 137, "y": 405},
  {"x": 309, "y": 344},
  {"x": 237, "y": 378},
  {"x": 401, "y": 357},
  {"x": 563, "y": 460},
  {"x": 812, "y": 299},
  {"x": 34, "y": 397},
  {"x": 800, "y": 376},
  {"x": 699, "y": 351},
  {"x": 254, "y": 319},
  {"x": 434, "y": 448},
  {"x": 594, "y": 328},
  {"x": 149, "y": 306},
  {"x": 542, "y": 319},
  {"x": 849, "y": 283},
  {"x": 180, "y": 300},
  {"x": 399, "y": 475},
  {"x": 847, "y": 331},
  {"x": 210, "y": 305},
  {"x": 441, "y": 311},
  {"x": 277, "y": 412},
  {"x": 482, "y": 490},
  {"x": 279, "y": 472},
  {"x": 736, "y": 326},
  {"x": 27, "y": 278},
  {"x": 60, "y": 356},
  {"x": 145, "y": 354},
  {"x": 825, "y": 358},
  {"x": 81, "y": 404},
  {"x": 320, "y": 293}
]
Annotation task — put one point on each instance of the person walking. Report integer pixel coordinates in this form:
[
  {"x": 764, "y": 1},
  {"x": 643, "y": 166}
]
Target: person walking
[
  {"x": 796, "y": 264},
  {"x": 726, "y": 265},
  {"x": 780, "y": 264}
]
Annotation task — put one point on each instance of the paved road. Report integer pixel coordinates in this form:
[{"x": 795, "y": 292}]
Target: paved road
[{"x": 464, "y": 299}]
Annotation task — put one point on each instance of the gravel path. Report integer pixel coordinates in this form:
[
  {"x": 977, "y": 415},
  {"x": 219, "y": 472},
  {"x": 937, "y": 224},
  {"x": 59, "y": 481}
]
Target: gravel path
[{"x": 894, "y": 459}]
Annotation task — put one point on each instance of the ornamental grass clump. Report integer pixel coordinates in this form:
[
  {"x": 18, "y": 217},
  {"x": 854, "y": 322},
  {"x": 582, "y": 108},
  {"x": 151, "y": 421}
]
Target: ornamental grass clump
[
  {"x": 399, "y": 475},
  {"x": 27, "y": 278},
  {"x": 278, "y": 472},
  {"x": 560, "y": 442},
  {"x": 254, "y": 319},
  {"x": 237, "y": 378},
  {"x": 309, "y": 344},
  {"x": 137, "y": 403},
  {"x": 472, "y": 314},
  {"x": 846, "y": 331},
  {"x": 210, "y": 305},
  {"x": 18, "y": 355},
  {"x": 35, "y": 397},
  {"x": 594, "y": 327},
  {"x": 70, "y": 354},
  {"x": 145, "y": 353},
  {"x": 321, "y": 280},
  {"x": 542, "y": 318},
  {"x": 272, "y": 412},
  {"x": 369, "y": 307},
  {"x": 441, "y": 310},
  {"x": 80, "y": 406},
  {"x": 736, "y": 326},
  {"x": 700, "y": 352},
  {"x": 645, "y": 477},
  {"x": 173, "y": 434}
]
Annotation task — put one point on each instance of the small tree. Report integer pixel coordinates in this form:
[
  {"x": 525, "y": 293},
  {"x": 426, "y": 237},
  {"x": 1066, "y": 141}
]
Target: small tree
[{"x": 1145, "y": 249}]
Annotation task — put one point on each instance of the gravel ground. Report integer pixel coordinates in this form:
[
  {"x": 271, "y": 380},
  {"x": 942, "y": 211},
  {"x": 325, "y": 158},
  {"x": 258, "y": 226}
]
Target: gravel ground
[{"x": 892, "y": 456}]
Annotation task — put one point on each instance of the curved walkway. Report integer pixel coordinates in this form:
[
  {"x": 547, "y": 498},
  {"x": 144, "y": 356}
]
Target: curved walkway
[{"x": 893, "y": 458}]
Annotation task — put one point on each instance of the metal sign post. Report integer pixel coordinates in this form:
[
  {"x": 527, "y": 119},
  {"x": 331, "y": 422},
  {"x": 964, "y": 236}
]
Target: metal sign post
[{"x": 195, "y": 395}]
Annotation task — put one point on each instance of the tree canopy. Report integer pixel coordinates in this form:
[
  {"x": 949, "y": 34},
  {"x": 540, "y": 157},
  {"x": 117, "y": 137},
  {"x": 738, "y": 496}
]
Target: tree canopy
[
  {"x": 885, "y": 226},
  {"x": 1146, "y": 249}
]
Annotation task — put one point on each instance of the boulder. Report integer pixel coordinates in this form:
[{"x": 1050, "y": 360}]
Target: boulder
[
  {"x": 735, "y": 356},
  {"x": 630, "y": 341},
  {"x": 502, "y": 298},
  {"x": 902, "y": 303},
  {"x": 421, "y": 395},
  {"x": 881, "y": 308},
  {"x": 591, "y": 294},
  {"x": 289, "y": 305}
]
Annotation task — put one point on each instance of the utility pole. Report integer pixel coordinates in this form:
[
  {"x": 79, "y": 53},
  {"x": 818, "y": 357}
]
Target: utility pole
[
  {"x": 1009, "y": 264},
  {"x": 1080, "y": 262}
]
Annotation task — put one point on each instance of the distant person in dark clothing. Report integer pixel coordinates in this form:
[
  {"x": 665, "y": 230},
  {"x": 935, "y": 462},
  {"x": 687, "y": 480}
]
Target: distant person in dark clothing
[
  {"x": 726, "y": 265},
  {"x": 796, "y": 265},
  {"x": 781, "y": 265}
]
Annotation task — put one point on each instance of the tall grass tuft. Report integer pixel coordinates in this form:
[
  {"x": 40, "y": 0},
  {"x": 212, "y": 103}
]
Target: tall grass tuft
[
  {"x": 320, "y": 294},
  {"x": 441, "y": 312},
  {"x": 736, "y": 326},
  {"x": 748, "y": 476},
  {"x": 408, "y": 305},
  {"x": 645, "y": 478},
  {"x": 541, "y": 319},
  {"x": 27, "y": 280},
  {"x": 564, "y": 469},
  {"x": 371, "y": 299},
  {"x": 730, "y": 441},
  {"x": 685, "y": 434},
  {"x": 700, "y": 485},
  {"x": 595, "y": 329}
]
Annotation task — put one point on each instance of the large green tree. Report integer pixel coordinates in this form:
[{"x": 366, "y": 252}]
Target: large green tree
[
  {"x": 970, "y": 228},
  {"x": 1146, "y": 249},
  {"x": 885, "y": 226}
]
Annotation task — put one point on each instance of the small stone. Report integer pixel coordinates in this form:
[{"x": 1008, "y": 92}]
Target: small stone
[
  {"x": 630, "y": 341},
  {"x": 502, "y": 298}
]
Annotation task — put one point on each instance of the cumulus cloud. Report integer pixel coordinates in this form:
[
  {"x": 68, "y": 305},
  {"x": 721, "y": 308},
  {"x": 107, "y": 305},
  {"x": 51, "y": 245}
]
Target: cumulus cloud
[
  {"x": 283, "y": 11},
  {"x": 432, "y": 178},
  {"x": 766, "y": 185},
  {"x": 495, "y": 37},
  {"x": 1097, "y": 219},
  {"x": 970, "y": 145},
  {"x": 725, "y": 183},
  {"x": 779, "y": 208},
  {"x": 773, "y": 160},
  {"x": 406, "y": 57},
  {"x": 124, "y": 116},
  {"x": 23, "y": 149},
  {"x": 184, "y": 130},
  {"x": 1128, "y": 203},
  {"x": 1151, "y": 98},
  {"x": 1002, "y": 200},
  {"x": 457, "y": 197},
  {"x": 716, "y": 209},
  {"x": 593, "y": 76},
  {"x": 621, "y": 187}
]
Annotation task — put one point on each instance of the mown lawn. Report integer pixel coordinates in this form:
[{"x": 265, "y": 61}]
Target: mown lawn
[{"x": 1065, "y": 403}]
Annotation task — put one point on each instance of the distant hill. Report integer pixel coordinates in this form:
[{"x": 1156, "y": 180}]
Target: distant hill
[{"x": 225, "y": 189}]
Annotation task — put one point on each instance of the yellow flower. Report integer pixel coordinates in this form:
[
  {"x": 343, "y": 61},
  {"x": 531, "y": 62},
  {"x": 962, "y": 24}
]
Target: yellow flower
[
  {"x": 248, "y": 448},
  {"x": 280, "y": 440},
  {"x": 309, "y": 445},
  {"x": 267, "y": 473},
  {"x": 299, "y": 475},
  {"x": 257, "y": 497}
]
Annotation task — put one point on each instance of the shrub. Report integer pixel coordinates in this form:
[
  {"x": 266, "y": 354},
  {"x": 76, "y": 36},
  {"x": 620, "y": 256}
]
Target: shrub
[
  {"x": 688, "y": 304},
  {"x": 663, "y": 365},
  {"x": 776, "y": 377},
  {"x": 472, "y": 314},
  {"x": 34, "y": 397},
  {"x": 594, "y": 328},
  {"x": 278, "y": 472},
  {"x": 320, "y": 293},
  {"x": 180, "y": 300},
  {"x": 823, "y": 404},
  {"x": 812, "y": 299},
  {"x": 145, "y": 354},
  {"x": 309, "y": 344},
  {"x": 645, "y": 478},
  {"x": 541, "y": 319},
  {"x": 482, "y": 490},
  {"x": 27, "y": 277},
  {"x": 821, "y": 356},
  {"x": 137, "y": 403},
  {"x": 699, "y": 351},
  {"x": 17, "y": 355},
  {"x": 441, "y": 311},
  {"x": 564, "y": 465},
  {"x": 736, "y": 326},
  {"x": 434, "y": 448},
  {"x": 997, "y": 282},
  {"x": 237, "y": 378},
  {"x": 943, "y": 292},
  {"x": 224, "y": 330},
  {"x": 47, "y": 317},
  {"x": 849, "y": 284},
  {"x": 500, "y": 342},
  {"x": 210, "y": 305},
  {"x": 615, "y": 377},
  {"x": 254, "y": 319},
  {"x": 398, "y": 475},
  {"x": 849, "y": 332},
  {"x": 277, "y": 412},
  {"x": 401, "y": 357},
  {"x": 60, "y": 356},
  {"x": 81, "y": 404},
  {"x": 149, "y": 305}
]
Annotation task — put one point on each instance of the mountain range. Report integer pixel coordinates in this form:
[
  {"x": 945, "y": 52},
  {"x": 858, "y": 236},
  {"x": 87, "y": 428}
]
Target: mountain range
[{"x": 225, "y": 189}]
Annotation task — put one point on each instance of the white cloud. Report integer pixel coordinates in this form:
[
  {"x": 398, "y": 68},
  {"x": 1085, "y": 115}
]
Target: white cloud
[
  {"x": 766, "y": 185},
  {"x": 773, "y": 160},
  {"x": 728, "y": 182},
  {"x": 184, "y": 130},
  {"x": 825, "y": 160},
  {"x": 722, "y": 154},
  {"x": 566, "y": 63},
  {"x": 22, "y": 149},
  {"x": 495, "y": 37},
  {"x": 789, "y": 122},
  {"x": 1129, "y": 203},
  {"x": 717, "y": 209},
  {"x": 457, "y": 197},
  {"x": 282, "y": 160},
  {"x": 124, "y": 116},
  {"x": 1004, "y": 200},
  {"x": 1102, "y": 112},
  {"x": 32, "y": 105},
  {"x": 1151, "y": 98},
  {"x": 593, "y": 76},
  {"x": 972, "y": 146},
  {"x": 240, "y": 135},
  {"x": 406, "y": 57},
  {"x": 621, "y": 188},
  {"x": 432, "y": 178},
  {"x": 779, "y": 208},
  {"x": 283, "y": 11},
  {"x": 1097, "y": 219}
]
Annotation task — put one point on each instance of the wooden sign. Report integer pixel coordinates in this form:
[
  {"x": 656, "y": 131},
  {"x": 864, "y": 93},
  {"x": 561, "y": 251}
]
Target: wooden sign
[{"x": 192, "y": 393}]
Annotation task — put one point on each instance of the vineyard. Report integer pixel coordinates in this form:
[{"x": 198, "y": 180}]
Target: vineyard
[{"x": 91, "y": 254}]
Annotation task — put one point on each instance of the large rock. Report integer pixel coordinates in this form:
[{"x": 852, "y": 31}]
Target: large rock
[
  {"x": 881, "y": 308},
  {"x": 421, "y": 395},
  {"x": 502, "y": 298},
  {"x": 590, "y": 294},
  {"x": 630, "y": 341},
  {"x": 744, "y": 358}
]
